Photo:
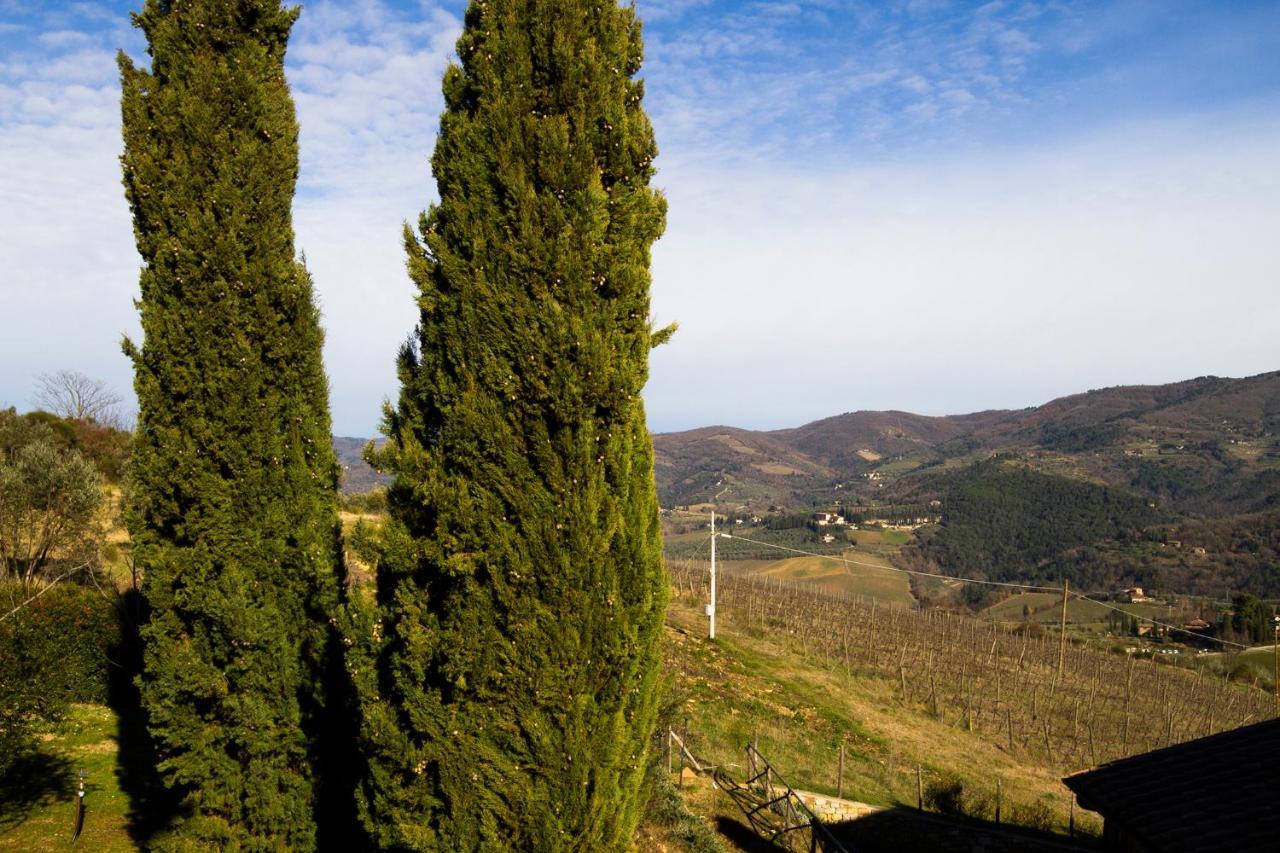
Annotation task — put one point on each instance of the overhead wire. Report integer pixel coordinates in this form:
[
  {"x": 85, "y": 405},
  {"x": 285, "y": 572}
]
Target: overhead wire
[{"x": 985, "y": 582}]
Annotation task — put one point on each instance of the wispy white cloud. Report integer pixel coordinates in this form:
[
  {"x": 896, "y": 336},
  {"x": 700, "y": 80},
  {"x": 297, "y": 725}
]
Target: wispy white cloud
[
  {"x": 366, "y": 79},
  {"x": 63, "y": 38},
  {"x": 841, "y": 196},
  {"x": 999, "y": 278}
]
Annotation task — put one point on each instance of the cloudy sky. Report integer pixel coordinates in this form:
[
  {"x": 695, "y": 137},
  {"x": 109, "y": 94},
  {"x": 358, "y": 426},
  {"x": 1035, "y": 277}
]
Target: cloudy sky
[{"x": 930, "y": 206}]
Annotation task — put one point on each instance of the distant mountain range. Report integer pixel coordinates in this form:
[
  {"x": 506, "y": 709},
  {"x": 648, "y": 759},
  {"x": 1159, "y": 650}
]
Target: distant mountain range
[
  {"x": 1168, "y": 486},
  {"x": 357, "y": 475},
  {"x": 1208, "y": 446}
]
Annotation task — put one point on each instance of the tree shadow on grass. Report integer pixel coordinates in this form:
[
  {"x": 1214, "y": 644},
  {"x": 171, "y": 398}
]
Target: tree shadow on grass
[
  {"x": 35, "y": 780},
  {"x": 903, "y": 828},
  {"x": 743, "y": 838},
  {"x": 152, "y": 806}
]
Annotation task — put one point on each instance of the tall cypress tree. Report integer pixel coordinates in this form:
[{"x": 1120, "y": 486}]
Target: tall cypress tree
[
  {"x": 234, "y": 510},
  {"x": 521, "y": 589}
]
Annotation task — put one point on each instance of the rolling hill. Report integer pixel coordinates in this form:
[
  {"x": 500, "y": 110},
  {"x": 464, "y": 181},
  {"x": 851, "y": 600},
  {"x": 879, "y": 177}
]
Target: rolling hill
[
  {"x": 1097, "y": 487},
  {"x": 1207, "y": 446}
]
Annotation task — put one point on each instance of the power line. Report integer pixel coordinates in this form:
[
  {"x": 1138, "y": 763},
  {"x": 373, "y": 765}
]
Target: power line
[
  {"x": 1032, "y": 587},
  {"x": 847, "y": 561},
  {"x": 1164, "y": 624}
]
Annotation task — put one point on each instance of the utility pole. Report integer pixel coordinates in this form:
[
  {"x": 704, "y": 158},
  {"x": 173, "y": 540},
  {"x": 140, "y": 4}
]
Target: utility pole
[
  {"x": 1275, "y": 653},
  {"x": 711, "y": 608}
]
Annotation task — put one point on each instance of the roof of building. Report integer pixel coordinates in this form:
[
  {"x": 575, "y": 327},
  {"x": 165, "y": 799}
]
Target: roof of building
[{"x": 1220, "y": 792}]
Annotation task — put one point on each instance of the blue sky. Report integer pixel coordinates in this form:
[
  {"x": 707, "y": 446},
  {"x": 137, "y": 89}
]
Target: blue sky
[{"x": 930, "y": 206}]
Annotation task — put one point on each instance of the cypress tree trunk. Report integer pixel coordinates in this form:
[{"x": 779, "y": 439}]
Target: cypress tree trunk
[
  {"x": 234, "y": 510},
  {"x": 521, "y": 590}
]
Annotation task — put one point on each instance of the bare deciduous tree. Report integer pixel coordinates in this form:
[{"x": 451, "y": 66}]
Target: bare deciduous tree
[{"x": 73, "y": 395}]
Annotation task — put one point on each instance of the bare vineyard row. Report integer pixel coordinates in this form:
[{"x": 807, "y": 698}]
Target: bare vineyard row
[{"x": 1002, "y": 684}]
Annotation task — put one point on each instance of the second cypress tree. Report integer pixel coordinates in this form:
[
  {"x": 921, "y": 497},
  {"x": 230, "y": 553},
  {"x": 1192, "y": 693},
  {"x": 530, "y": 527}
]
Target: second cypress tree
[
  {"x": 512, "y": 695},
  {"x": 234, "y": 511}
]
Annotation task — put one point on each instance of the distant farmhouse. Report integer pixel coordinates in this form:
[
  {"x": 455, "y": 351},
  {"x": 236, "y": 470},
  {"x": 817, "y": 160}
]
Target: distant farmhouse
[{"x": 1136, "y": 595}]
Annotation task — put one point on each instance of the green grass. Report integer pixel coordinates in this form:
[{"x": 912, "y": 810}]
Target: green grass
[
  {"x": 1046, "y": 607},
  {"x": 747, "y": 684},
  {"x": 84, "y": 741},
  {"x": 1258, "y": 656},
  {"x": 878, "y": 539},
  {"x": 1261, "y": 664},
  {"x": 878, "y": 582}
]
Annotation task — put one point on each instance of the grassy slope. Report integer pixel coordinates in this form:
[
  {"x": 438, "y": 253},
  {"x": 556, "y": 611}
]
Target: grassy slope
[
  {"x": 836, "y": 576},
  {"x": 745, "y": 684},
  {"x": 87, "y": 741},
  {"x": 1047, "y": 607}
]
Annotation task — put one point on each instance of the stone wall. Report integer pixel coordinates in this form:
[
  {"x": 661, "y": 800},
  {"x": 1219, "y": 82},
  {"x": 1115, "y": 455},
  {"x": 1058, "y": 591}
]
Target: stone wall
[{"x": 834, "y": 810}]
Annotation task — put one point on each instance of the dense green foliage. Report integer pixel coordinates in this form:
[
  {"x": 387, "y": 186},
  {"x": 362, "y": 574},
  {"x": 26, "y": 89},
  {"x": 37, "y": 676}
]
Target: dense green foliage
[
  {"x": 521, "y": 588},
  {"x": 234, "y": 510},
  {"x": 1206, "y": 482},
  {"x": 105, "y": 446},
  {"x": 372, "y": 502},
  {"x": 1251, "y": 621},
  {"x": 1003, "y": 521},
  {"x": 50, "y": 497},
  {"x": 53, "y": 651},
  {"x": 1244, "y": 552}
]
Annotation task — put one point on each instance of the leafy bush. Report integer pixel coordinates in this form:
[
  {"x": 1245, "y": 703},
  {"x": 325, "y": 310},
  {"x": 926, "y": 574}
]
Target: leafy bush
[
  {"x": 945, "y": 794},
  {"x": 372, "y": 502},
  {"x": 980, "y": 804},
  {"x": 948, "y": 794},
  {"x": 49, "y": 501},
  {"x": 666, "y": 809},
  {"x": 53, "y": 651},
  {"x": 105, "y": 446},
  {"x": 1035, "y": 815}
]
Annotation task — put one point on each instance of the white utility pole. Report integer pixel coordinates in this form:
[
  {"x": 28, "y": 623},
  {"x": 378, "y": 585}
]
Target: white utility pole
[{"x": 711, "y": 608}]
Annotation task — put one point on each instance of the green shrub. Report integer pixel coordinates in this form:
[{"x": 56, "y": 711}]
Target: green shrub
[
  {"x": 945, "y": 794},
  {"x": 53, "y": 651},
  {"x": 980, "y": 804},
  {"x": 1035, "y": 815},
  {"x": 372, "y": 502},
  {"x": 665, "y": 808}
]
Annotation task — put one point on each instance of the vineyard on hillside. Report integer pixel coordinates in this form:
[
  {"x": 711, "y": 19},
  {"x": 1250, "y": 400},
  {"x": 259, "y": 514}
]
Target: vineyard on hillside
[{"x": 1004, "y": 685}]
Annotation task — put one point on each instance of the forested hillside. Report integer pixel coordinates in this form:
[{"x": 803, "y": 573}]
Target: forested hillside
[
  {"x": 1004, "y": 521},
  {"x": 1206, "y": 446},
  {"x": 1175, "y": 487},
  {"x": 1093, "y": 487}
]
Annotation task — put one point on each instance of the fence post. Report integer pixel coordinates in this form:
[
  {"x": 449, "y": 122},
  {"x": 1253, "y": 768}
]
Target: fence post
[
  {"x": 1071, "y": 818},
  {"x": 669, "y": 733},
  {"x": 999, "y": 797},
  {"x": 79, "y": 827},
  {"x": 919, "y": 789}
]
